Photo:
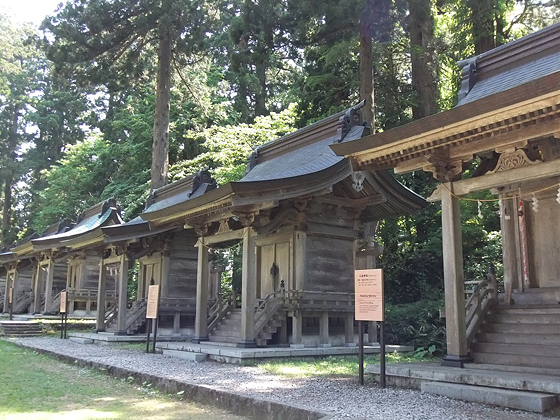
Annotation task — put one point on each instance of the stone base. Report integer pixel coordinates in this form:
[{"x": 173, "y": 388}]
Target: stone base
[
  {"x": 198, "y": 340},
  {"x": 455, "y": 361},
  {"x": 246, "y": 345},
  {"x": 324, "y": 346},
  {"x": 297, "y": 346}
]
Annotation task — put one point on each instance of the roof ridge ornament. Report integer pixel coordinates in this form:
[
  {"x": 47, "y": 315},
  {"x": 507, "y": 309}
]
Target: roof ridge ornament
[{"x": 351, "y": 118}]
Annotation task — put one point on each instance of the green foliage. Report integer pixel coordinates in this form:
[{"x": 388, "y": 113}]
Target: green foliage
[
  {"x": 418, "y": 325},
  {"x": 225, "y": 149}
]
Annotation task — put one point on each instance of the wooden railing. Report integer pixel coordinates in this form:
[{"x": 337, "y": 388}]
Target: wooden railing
[
  {"x": 54, "y": 307},
  {"x": 177, "y": 304},
  {"x": 22, "y": 302},
  {"x": 266, "y": 308},
  {"x": 137, "y": 311},
  {"x": 319, "y": 301},
  {"x": 224, "y": 304},
  {"x": 481, "y": 298}
]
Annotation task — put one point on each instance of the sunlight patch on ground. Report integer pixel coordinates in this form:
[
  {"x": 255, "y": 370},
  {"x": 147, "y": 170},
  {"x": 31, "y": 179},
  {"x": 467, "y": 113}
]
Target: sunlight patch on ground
[{"x": 85, "y": 414}]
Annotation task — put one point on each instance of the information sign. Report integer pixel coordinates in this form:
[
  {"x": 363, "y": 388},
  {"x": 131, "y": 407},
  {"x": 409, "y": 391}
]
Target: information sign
[
  {"x": 369, "y": 295},
  {"x": 63, "y": 302},
  {"x": 153, "y": 300}
]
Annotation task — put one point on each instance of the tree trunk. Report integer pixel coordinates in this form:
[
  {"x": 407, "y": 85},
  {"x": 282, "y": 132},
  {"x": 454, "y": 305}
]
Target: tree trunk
[
  {"x": 160, "y": 149},
  {"x": 366, "y": 64},
  {"x": 482, "y": 18},
  {"x": 9, "y": 181},
  {"x": 366, "y": 74},
  {"x": 424, "y": 83}
]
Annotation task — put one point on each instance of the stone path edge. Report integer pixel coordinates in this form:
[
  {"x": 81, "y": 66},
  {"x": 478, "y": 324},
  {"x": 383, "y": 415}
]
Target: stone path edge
[{"x": 242, "y": 405}]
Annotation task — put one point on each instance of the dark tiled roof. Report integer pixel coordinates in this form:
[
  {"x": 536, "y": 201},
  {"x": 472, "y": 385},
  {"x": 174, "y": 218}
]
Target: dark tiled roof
[
  {"x": 514, "y": 77},
  {"x": 85, "y": 226},
  {"x": 305, "y": 160},
  {"x": 519, "y": 62}
]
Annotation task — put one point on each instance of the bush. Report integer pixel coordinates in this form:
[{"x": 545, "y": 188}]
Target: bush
[{"x": 416, "y": 324}]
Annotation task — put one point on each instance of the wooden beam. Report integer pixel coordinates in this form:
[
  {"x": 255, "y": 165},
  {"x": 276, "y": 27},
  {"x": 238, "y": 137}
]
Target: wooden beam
[{"x": 499, "y": 179}]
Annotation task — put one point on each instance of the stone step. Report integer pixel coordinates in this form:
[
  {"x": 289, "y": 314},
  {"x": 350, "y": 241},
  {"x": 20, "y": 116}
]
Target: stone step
[
  {"x": 525, "y": 318},
  {"x": 517, "y": 360},
  {"x": 514, "y": 368},
  {"x": 223, "y": 339},
  {"x": 528, "y": 310},
  {"x": 521, "y": 400},
  {"x": 186, "y": 355},
  {"x": 518, "y": 349},
  {"x": 516, "y": 338},
  {"x": 21, "y": 328},
  {"x": 221, "y": 332},
  {"x": 513, "y": 328}
]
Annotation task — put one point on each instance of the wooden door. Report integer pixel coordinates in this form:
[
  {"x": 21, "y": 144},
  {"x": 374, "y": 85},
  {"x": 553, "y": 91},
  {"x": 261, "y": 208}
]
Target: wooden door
[{"x": 274, "y": 266}]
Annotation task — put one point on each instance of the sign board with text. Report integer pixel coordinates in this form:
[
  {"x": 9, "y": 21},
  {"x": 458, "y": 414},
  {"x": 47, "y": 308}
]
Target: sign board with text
[
  {"x": 153, "y": 301},
  {"x": 369, "y": 302},
  {"x": 63, "y": 302}
]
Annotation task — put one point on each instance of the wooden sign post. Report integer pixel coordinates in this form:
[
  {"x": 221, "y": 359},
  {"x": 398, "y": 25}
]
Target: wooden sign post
[
  {"x": 63, "y": 314},
  {"x": 152, "y": 314},
  {"x": 11, "y": 302},
  {"x": 370, "y": 306}
]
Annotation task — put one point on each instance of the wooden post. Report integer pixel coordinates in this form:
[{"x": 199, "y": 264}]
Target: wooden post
[
  {"x": 349, "y": 330},
  {"x": 324, "y": 330},
  {"x": 123, "y": 295},
  {"x": 49, "y": 285},
  {"x": 9, "y": 283},
  {"x": 297, "y": 330},
  {"x": 165, "y": 274},
  {"x": 248, "y": 291},
  {"x": 201, "y": 320},
  {"x": 300, "y": 252},
  {"x": 37, "y": 290},
  {"x": 453, "y": 280},
  {"x": 101, "y": 297}
]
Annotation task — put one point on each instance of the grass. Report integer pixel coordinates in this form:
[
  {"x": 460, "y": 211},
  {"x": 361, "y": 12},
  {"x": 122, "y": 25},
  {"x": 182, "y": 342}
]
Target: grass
[
  {"x": 332, "y": 366},
  {"x": 37, "y": 387}
]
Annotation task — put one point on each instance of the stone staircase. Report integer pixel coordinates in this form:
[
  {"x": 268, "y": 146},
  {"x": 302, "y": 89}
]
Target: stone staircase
[
  {"x": 524, "y": 336},
  {"x": 20, "y": 328},
  {"x": 229, "y": 329}
]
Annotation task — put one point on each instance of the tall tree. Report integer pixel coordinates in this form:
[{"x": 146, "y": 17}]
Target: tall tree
[
  {"x": 19, "y": 72},
  {"x": 100, "y": 39}
]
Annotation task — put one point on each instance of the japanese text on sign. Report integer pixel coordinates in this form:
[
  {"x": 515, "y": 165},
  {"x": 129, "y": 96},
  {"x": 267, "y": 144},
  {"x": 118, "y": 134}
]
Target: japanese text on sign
[
  {"x": 153, "y": 301},
  {"x": 368, "y": 286}
]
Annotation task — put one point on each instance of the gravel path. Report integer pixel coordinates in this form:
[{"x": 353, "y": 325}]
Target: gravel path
[{"x": 342, "y": 397}]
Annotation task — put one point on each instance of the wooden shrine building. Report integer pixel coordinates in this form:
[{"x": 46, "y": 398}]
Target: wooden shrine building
[
  {"x": 166, "y": 256},
  {"x": 508, "y": 117},
  {"x": 299, "y": 215},
  {"x": 65, "y": 259}
]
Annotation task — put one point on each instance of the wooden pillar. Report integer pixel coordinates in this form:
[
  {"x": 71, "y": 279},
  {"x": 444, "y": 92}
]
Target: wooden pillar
[
  {"x": 165, "y": 274},
  {"x": 248, "y": 291},
  {"x": 508, "y": 215},
  {"x": 49, "y": 285},
  {"x": 300, "y": 254},
  {"x": 201, "y": 320},
  {"x": 37, "y": 290},
  {"x": 324, "y": 330},
  {"x": 101, "y": 297},
  {"x": 177, "y": 323},
  {"x": 454, "y": 283},
  {"x": 349, "y": 330},
  {"x": 123, "y": 295},
  {"x": 297, "y": 330},
  {"x": 9, "y": 283}
]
